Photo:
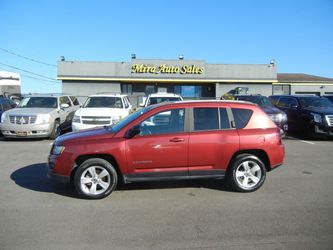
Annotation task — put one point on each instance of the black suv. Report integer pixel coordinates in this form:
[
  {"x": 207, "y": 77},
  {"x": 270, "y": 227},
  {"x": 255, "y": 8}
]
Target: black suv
[
  {"x": 6, "y": 104},
  {"x": 329, "y": 97},
  {"x": 276, "y": 115},
  {"x": 310, "y": 115}
]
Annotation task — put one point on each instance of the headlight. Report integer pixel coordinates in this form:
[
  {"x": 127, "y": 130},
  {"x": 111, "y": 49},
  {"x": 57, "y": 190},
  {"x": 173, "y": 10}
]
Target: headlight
[
  {"x": 76, "y": 119},
  {"x": 57, "y": 150},
  {"x": 4, "y": 117},
  {"x": 282, "y": 117},
  {"x": 317, "y": 118},
  {"x": 43, "y": 118},
  {"x": 278, "y": 117},
  {"x": 116, "y": 119}
]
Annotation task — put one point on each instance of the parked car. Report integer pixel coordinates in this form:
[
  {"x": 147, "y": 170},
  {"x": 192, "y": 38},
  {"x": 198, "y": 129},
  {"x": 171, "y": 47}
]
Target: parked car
[
  {"x": 39, "y": 116},
  {"x": 202, "y": 139},
  {"x": 101, "y": 110},
  {"x": 160, "y": 97},
  {"x": 277, "y": 115},
  {"x": 329, "y": 97},
  {"x": 311, "y": 116},
  {"x": 6, "y": 104}
]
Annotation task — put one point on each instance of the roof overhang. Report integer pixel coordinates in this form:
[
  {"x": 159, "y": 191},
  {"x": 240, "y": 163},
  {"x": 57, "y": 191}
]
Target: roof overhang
[{"x": 174, "y": 80}]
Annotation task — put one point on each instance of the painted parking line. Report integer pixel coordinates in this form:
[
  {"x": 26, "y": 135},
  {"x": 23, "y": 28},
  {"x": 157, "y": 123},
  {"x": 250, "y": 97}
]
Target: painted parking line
[{"x": 308, "y": 142}]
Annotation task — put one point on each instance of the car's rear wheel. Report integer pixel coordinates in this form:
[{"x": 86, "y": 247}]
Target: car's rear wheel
[
  {"x": 95, "y": 178},
  {"x": 247, "y": 173}
]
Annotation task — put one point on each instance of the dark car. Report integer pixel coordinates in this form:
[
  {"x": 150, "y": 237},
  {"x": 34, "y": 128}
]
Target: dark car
[
  {"x": 277, "y": 115},
  {"x": 201, "y": 139},
  {"x": 329, "y": 97},
  {"x": 6, "y": 104},
  {"x": 311, "y": 116}
]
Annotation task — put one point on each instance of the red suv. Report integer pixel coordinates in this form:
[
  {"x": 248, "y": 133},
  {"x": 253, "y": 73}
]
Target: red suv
[{"x": 182, "y": 140}]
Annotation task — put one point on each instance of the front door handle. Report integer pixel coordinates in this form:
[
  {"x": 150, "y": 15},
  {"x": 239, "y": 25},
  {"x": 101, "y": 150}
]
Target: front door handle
[{"x": 176, "y": 139}]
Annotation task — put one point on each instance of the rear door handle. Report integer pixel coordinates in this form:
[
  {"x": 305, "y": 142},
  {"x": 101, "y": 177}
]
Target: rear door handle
[{"x": 177, "y": 139}]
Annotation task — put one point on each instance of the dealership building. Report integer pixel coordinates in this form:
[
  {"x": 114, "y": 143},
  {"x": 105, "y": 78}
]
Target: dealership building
[{"x": 192, "y": 79}]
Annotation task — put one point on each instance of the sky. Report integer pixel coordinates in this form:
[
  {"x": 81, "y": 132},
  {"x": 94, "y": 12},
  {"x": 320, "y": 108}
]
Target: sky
[{"x": 297, "y": 34}]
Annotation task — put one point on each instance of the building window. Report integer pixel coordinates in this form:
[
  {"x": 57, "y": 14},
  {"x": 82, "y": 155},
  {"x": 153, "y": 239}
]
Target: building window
[
  {"x": 188, "y": 91},
  {"x": 126, "y": 89},
  {"x": 281, "y": 89}
]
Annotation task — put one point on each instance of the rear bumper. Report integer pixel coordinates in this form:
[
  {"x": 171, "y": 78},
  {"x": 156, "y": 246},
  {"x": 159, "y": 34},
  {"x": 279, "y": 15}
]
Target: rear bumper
[{"x": 276, "y": 156}]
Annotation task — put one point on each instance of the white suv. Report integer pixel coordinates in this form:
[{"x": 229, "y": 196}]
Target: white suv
[
  {"x": 101, "y": 110},
  {"x": 160, "y": 97}
]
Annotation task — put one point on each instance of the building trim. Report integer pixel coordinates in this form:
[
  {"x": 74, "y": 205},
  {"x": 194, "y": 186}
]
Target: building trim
[
  {"x": 133, "y": 80},
  {"x": 303, "y": 84}
]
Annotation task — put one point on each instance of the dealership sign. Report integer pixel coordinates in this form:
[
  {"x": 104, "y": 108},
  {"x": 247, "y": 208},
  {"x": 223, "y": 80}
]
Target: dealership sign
[{"x": 167, "y": 69}]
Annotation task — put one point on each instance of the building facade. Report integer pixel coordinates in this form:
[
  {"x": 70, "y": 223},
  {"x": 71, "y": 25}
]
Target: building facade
[
  {"x": 192, "y": 79},
  {"x": 10, "y": 83}
]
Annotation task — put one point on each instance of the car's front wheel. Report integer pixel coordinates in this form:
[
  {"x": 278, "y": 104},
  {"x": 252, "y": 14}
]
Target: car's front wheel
[
  {"x": 95, "y": 178},
  {"x": 56, "y": 131},
  {"x": 247, "y": 173}
]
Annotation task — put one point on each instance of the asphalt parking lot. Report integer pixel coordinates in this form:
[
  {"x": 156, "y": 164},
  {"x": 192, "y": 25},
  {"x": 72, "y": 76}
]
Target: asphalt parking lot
[{"x": 293, "y": 209}]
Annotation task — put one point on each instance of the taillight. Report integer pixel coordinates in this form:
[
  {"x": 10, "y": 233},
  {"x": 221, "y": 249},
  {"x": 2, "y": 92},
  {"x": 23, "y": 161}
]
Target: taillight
[{"x": 279, "y": 133}]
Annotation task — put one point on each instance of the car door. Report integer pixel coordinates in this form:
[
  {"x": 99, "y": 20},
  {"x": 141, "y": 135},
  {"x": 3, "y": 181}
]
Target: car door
[
  {"x": 212, "y": 141},
  {"x": 65, "y": 112},
  {"x": 162, "y": 146}
]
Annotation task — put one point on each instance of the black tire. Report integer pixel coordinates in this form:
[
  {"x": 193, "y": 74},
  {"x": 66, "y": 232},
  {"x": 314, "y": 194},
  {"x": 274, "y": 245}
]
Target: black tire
[
  {"x": 95, "y": 178},
  {"x": 247, "y": 173},
  {"x": 56, "y": 131}
]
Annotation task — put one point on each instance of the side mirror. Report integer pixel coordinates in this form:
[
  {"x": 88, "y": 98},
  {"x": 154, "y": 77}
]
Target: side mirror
[
  {"x": 64, "y": 106},
  {"x": 133, "y": 132},
  {"x": 293, "y": 106}
]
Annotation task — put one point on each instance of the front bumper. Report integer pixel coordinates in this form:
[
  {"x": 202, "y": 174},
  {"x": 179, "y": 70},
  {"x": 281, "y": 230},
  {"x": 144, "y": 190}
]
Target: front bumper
[
  {"x": 80, "y": 126},
  {"x": 26, "y": 130},
  {"x": 322, "y": 130},
  {"x": 58, "y": 178},
  {"x": 52, "y": 161}
]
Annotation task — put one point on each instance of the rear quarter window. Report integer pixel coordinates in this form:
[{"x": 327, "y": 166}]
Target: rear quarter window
[{"x": 241, "y": 117}]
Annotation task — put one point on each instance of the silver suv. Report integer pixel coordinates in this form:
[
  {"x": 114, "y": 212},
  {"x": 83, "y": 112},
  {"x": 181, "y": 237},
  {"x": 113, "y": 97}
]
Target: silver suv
[{"x": 39, "y": 116}]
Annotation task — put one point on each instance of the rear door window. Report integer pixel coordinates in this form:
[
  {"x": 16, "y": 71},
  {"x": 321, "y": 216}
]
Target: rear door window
[
  {"x": 206, "y": 119},
  {"x": 241, "y": 116}
]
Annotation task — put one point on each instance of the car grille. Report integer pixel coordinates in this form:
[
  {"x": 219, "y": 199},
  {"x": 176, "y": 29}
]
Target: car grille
[
  {"x": 96, "y": 120},
  {"x": 22, "y": 119},
  {"x": 329, "y": 119}
]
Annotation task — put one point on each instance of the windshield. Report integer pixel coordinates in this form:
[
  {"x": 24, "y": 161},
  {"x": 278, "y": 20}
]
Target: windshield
[
  {"x": 39, "y": 102},
  {"x": 261, "y": 101},
  {"x": 315, "y": 102},
  {"x": 103, "y": 102},
  {"x": 156, "y": 100},
  {"x": 122, "y": 123}
]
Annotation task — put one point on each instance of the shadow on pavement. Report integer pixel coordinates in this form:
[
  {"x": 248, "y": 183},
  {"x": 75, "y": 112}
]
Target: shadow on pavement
[
  {"x": 215, "y": 184},
  {"x": 34, "y": 177}
]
